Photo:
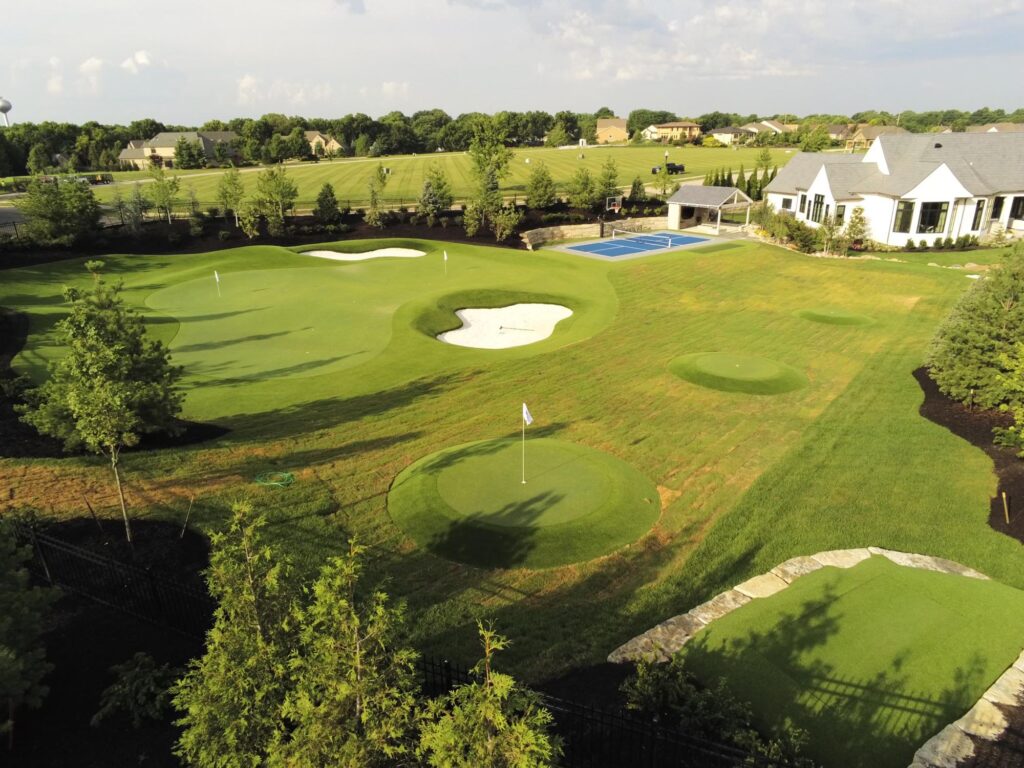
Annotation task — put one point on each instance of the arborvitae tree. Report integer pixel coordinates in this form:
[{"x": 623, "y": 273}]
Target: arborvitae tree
[
  {"x": 540, "y": 188},
  {"x": 727, "y": 182},
  {"x": 986, "y": 323},
  {"x": 326, "y": 212},
  {"x": 22, "y": 622},
  {"x": 490, "y": 723},
  {"x": 231, "y": 698},
  {"x": 708, "y": 180},
  {"x": 741, "y": 180},
  {"x": 113, "y": 385},
  {"x": 638, "y": 191},
  {"x": 355, "y": 685},
  {"x": 775, "y": 170}
]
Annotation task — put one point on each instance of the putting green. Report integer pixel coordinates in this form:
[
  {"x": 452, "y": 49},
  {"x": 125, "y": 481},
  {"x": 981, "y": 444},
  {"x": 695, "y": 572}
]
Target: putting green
[
  {"x": 738, "y": 373},
  {"x": 469, "y": 504},
  {"x": 870, "y": 661},
  {"x": 833, "y": 316}
]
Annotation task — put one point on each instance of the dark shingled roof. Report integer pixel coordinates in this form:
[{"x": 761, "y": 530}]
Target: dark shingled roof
[{"x": 699, "y": 196}]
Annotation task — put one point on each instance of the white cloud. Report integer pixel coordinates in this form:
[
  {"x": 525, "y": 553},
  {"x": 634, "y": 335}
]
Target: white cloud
[
  {"x": 278, "y": 93},
  {"x": 135, "y": 62},
  {"x": 392, "y": 90},
  {"x": 55, "y": 80},
  {"x": 90, "y": 70}
]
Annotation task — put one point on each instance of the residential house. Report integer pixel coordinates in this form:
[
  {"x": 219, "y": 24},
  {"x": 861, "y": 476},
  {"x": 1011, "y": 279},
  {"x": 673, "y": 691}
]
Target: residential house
[
  {"x": 611, "y": 130},
  {"x": 650, "y": 133},
  {"x": 767, "y": 126},
  {"x": 864, "y": 134},
  {"x": 732, "y": 135},
  {"x": 996, "y": 128},
  {"x": 161, "y": 148},
  {"x": 840, "y": 132},
  {"x": 327, "y": 145},
  {"x": 911, "y": 186},
  {"x": 680, "y": 130}
]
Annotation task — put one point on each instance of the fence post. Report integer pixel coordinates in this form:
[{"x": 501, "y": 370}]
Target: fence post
[{"x": 39, "y": 552}]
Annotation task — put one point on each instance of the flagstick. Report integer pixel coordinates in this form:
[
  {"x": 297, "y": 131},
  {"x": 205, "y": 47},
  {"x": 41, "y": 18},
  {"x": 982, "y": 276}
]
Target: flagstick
[{"x": 524, "y": 451}]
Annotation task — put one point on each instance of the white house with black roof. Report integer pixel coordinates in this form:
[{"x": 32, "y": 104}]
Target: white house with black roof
[{"x": 912, "y": 186}]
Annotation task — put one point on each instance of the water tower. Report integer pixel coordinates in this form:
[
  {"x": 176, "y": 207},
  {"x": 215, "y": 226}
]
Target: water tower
[{"x": 5, "y": 107}]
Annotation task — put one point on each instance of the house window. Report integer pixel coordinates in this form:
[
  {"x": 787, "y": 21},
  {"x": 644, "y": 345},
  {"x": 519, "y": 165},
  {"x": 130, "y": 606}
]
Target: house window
[
  {"x": 787, "y": 203},
  {"x": 819, "y": 202},
  {"x": 1017, "y": 210},
  {"x": 979, "y": 215},
  {"x": 933, "y": 218},
  {"x": 840, "y": 214},
  {"x": 904, "y": 215},
  {"x": 803, "y": 203},
  {"x": 997, "y": 208}
]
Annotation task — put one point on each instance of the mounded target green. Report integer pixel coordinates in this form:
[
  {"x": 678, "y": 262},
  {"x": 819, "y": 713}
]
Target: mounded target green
[
  {"x": 469, "y": 504},
  {"x": 749, "y": 374},
  {"x": 833, "y": 316}
]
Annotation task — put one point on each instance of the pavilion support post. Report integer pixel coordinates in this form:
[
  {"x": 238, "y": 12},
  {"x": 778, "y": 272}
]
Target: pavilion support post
[
  {"x": 718, "y": 222},
  {"x": 748, "y": 215}
]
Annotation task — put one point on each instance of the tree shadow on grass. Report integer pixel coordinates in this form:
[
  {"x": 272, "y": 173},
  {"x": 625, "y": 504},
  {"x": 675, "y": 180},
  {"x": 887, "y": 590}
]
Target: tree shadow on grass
[
  {"x": 206, "y": 345},
  {"x": 858, "y": 722},
  {"x": 490, "y": 540}
]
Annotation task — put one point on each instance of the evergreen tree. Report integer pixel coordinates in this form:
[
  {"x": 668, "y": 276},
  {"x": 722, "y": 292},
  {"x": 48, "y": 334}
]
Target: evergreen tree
[
  {"x": 113, "y": 385},
  {"x": 231, "y": 698},
  {"x": 582, "y": 189},
  {"x": 492, "y": 722},
  {"x": 23, "y": 610},
  {"x": 326, "y": 212},
  {"x": 727, "y": 181},
  {"x": 741, "y": 180},
  {"x": 355, "y": 687},
  {"x": 540, "y": 188},
  {"x": 437, "y": 196},
  {"x": 708, "y": 180},
  {"x": 988, "y": 320},
  {"x": 638, "y": 191}
]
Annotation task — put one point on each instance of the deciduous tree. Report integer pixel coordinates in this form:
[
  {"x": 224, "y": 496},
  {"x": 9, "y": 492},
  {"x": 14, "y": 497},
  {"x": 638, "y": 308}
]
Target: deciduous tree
[
  {"x": 230, "y": 192},
  {"x": 378, "y": 182},
  {"x": 164, "y": 190},
  {"x": 436, "y": 196}
]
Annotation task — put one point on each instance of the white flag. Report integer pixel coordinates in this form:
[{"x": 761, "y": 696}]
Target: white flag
[
  {"x": 446, "y": 255},
  {"x": 216, "y": 276},
  {"x": 526, "y": 415}
]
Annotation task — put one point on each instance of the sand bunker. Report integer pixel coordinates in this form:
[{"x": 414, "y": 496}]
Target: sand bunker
[
  {"x": 401, "y": 253},
  {"x": 504, "y": 327}
]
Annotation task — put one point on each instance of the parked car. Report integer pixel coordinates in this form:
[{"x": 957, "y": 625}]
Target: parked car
[{"x": 673, "y": 168}]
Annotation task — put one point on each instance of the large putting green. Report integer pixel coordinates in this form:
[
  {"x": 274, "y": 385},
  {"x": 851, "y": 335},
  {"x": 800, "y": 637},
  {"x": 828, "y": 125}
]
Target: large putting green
[
  {"x": 749, "y": 374},
  {"x": 469, "y": 503},
  {"x": 871, "y": 661}
]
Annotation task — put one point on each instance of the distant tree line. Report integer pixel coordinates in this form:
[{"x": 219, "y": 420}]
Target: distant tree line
[{"x": 32, "y": 148}]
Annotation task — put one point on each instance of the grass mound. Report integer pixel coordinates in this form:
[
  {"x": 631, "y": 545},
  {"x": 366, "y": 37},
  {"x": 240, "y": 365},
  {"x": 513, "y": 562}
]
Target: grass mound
[
  {"x": 727, "y": 372},
  {"x": 871, "y": 661},
  {"x": 469, "y": 504},
  {"x": 832, "y": 316}
]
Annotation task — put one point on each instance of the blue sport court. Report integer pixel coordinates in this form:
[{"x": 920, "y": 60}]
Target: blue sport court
[{"x": 632, "y": 243}]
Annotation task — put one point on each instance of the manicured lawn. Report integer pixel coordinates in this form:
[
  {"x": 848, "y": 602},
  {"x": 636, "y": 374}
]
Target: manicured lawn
[
  {"x": 947, "y": 258},
  {"x": 350, "y": 176},
  {"x": 471, "y": 504},
  {"x": 870, "y": 661},
  {"x": 744, "y": 481}
]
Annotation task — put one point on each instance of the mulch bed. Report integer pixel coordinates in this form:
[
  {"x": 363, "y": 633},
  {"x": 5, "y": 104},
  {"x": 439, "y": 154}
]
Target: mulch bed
[{"x": 975, "y": 426}]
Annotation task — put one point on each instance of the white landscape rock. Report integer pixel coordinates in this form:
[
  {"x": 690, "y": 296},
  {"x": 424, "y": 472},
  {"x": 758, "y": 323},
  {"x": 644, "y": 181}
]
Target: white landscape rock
[
  {"x": 504, "y": 327},
  {"x": 400, "y": 253}
]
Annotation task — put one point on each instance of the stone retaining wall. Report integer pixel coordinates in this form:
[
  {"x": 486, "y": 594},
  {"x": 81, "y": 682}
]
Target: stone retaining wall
[
  {"x": 537, "y": 237},
  {"x": 985, "y": 720}
]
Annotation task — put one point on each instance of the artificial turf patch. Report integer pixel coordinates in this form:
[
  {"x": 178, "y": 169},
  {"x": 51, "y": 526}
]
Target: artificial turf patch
[
  {"x": 871, "y": 661},
  {"x": 833, "y": 316},
  {"x": 469, "y": 504},
  {"x": 749, "y": 374}
]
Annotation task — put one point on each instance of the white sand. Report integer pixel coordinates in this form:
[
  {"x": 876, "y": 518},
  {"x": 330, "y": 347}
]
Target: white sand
[
  {"x": 401, "y": 253},
  {"x": 504, "y": 327}
]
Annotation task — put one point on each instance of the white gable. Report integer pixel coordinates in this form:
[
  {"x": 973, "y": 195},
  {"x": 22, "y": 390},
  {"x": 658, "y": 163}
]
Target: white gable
[
  {"x": 940, "y": 184},
  {"x": 876, "y": 155}
]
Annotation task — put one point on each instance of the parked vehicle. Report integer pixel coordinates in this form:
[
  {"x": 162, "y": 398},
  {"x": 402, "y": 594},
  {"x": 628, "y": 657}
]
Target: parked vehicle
[{"x": 673, "y": 168}]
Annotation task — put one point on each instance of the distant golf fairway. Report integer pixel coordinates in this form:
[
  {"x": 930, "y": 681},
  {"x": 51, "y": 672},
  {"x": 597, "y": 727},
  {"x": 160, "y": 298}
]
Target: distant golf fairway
[
  {"x": 469, "y": 504},
  {"x": 871, "y": 661}
]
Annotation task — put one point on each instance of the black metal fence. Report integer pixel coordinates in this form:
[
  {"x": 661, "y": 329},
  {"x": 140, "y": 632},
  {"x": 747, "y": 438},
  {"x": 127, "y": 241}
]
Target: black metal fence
[
  {"x": 591, "y": 737},
  {"x": 136, "y": 591}
]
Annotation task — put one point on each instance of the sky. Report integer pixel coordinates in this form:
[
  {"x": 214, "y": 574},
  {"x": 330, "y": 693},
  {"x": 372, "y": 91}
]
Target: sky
[{"x": 188, "y": 61}]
